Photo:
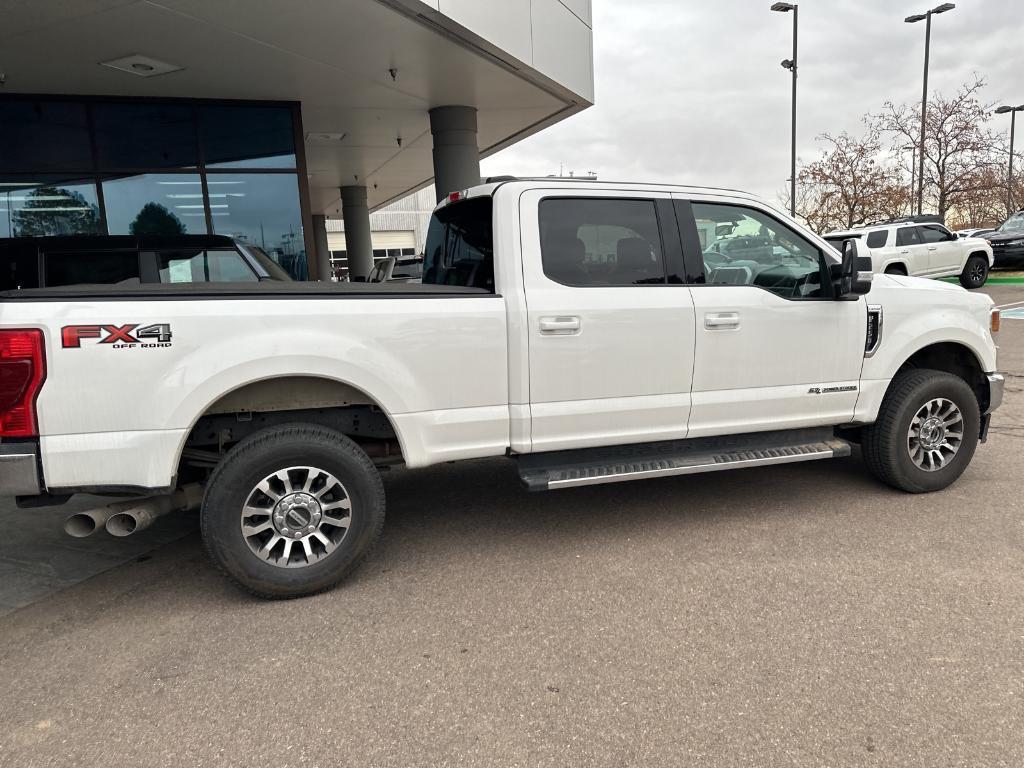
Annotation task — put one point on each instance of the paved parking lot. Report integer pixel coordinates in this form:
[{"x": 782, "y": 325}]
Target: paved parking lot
[{"x": 802, "y": 616}]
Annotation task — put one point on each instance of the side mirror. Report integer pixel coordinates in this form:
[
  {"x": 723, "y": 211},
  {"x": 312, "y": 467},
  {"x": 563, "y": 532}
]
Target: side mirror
[{"x": 855, "y": 272}]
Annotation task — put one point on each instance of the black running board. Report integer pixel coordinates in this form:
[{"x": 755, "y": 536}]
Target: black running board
[{"x": 618, "y": 463}]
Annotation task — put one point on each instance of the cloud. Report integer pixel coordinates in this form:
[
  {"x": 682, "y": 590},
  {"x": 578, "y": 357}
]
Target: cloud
[{"x": 691, "y": 91}]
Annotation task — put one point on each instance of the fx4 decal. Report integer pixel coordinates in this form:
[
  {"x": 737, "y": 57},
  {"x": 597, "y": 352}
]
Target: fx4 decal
[{"x": 118, "y": 336}]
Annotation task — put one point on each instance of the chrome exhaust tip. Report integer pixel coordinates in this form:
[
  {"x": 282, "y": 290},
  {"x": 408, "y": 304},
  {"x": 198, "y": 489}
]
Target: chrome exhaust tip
[{"x": 82, "y": 524}]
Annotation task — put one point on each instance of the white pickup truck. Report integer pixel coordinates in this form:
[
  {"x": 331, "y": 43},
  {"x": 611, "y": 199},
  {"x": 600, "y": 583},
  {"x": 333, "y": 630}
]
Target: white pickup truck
[{"x": 593, "y": 332}]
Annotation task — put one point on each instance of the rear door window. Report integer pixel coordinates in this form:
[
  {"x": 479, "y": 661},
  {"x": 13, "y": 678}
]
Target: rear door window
[
  {"x": 90, "y": 267},
  {"x": 601, "y": 242},
  {"x": 460, "y": 245},
  {"x": 908, "y": 236},
  {"x": 203, "y": 266}
]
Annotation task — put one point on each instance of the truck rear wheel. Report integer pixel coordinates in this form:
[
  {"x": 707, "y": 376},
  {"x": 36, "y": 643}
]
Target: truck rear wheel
[
  {"x": 975, "y": 272},
  {"x": 292, "y": 510},
  {"x": 926, "y": 433}
]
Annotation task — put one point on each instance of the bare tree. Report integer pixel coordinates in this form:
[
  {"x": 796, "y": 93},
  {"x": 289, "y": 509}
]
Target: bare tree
[
  {"x": 958, "y": 147},
  {"x": 851, "y": 183}
]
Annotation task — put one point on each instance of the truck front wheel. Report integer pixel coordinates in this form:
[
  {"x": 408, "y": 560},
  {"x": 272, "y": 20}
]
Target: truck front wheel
[
  {"x": 926, "y": 433},
  {"x": 292, "y": 510}
]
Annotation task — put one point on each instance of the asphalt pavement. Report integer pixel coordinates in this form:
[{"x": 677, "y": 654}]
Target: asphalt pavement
[{"x": 801, "y": 615}]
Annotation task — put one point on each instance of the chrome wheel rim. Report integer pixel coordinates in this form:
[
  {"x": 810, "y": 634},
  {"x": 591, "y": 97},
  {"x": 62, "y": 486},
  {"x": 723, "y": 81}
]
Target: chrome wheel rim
[
  {"x": 296, "y": 517},
  {"x": 936, "y": 434}
]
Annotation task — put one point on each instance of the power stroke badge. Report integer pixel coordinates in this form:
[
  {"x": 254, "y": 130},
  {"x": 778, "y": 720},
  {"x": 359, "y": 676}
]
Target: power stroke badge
[{"x": 129, "y": 336}]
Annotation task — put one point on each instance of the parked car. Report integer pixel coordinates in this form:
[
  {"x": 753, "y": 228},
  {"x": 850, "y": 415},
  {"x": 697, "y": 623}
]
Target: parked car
[
  {"x": 40, "y": 262},
  {"x": 592, "y": 332},
  {"x": 965, "y": 233},
  {"x": 398, "y": 270},
  {"x": 920, "y": 246},
  {"x": 1008, "y": 241}
]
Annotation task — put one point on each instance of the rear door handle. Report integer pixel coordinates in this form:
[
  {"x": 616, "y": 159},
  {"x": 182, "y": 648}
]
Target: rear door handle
[
  {"x": 559, "y": 326},
  {"x": 933, "y": 248},
  {"x": 722, "y": 321},
  {"x": 905, "y": 251}
]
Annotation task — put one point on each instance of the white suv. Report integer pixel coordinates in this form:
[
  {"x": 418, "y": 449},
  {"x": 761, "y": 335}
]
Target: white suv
[{"x": 922, "y": 247}]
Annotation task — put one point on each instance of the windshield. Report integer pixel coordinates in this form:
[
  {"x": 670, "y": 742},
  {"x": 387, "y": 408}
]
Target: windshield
[
  {"x": 1014, "y": 224},
  {"x": 460, "y": 248},
  {"x": 274, "y": 270}
]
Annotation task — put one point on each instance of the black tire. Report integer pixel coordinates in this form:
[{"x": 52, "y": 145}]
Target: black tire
[
  {"x": 257, "y": 457},
  {"x": 975, "y": 272},
  {"x": 885, "y": 444}
]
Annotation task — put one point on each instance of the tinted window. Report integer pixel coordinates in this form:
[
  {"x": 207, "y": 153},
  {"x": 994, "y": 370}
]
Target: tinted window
[
  {"x": 44, "y": 136},
  {"x": 155, "y": 204},
  {"x": 196, "y": 266},
  {"x": 460, "y": 248},
  {"x": 935, "y": 234},
  {"x": 836, "y": 241},
  {"x": 48, "y": 205},
  {"x": 1013, "y": 224},
  {"x": 19, "y": 266},
  {"x": 878, "y": 238},
  {"x": 408, "y": 268},
  {"x": 744, "y": 246},
  {"x": 145, "y": 136},
  {"x": 247, "y": 137},
  {"x": 83, "y": 267},
  {"x": 908, "y": 236},
  {"x": 588, "y": 242},
  {"x": 262, "y": 209}
]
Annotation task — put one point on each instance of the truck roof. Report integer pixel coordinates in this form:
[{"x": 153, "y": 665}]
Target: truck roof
[{"x": 492, "y": 184}]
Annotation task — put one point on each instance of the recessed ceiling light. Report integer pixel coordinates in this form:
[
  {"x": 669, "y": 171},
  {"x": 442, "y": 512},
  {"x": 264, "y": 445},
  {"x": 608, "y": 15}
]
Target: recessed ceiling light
[
  {"x": 325, "y": 138},
  {"x": 140, "y": 65}
]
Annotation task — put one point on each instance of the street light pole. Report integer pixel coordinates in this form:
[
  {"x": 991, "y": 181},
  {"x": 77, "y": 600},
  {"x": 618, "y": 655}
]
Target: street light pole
[
  {"x": 927, "y": 17},
  {"x": 1009, "y": 176},
  {"x": 791, "y": 65}
]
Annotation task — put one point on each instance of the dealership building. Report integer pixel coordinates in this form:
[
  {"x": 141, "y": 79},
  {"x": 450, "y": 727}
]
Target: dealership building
[{"x": 262, "y": 119}]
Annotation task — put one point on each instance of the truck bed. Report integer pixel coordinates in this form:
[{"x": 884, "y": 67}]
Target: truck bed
[{"x": 267, "y": 289}]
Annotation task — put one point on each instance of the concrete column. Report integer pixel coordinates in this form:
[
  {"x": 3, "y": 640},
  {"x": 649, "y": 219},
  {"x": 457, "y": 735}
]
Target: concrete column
[
  {"x": 358, "y": 244},
  {"x": 322, "y": 258},
  {"x": 456, "y": 156}
]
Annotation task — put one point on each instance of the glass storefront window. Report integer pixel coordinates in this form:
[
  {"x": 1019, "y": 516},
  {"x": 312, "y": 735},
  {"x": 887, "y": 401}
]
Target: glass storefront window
[
  {"x": 39, "y": 136},
  {"x": 247, "y": 137},
  {"x": 147, "y": 135},
  {"x": 263, "y": 209},
  {"x": 48, "y": 205},
  {"x": 155, "y": 204}
]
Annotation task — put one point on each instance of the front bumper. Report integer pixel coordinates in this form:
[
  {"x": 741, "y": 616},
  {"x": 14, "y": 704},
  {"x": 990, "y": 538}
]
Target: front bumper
[
  {"x": 996, "y": 384},
  {"x": 19, "y": 470},
  {"x": 1007, "y": 257}
]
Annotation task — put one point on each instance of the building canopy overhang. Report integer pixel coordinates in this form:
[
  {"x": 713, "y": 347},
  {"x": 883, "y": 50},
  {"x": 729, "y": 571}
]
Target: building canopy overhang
[{"x": 366, "y": 72}]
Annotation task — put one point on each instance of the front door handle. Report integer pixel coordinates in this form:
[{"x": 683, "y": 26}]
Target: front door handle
[
  {"x": 559, "y": 326},
  {"x": 933, "y": 247},
  {"x": 722, "y": 321}
]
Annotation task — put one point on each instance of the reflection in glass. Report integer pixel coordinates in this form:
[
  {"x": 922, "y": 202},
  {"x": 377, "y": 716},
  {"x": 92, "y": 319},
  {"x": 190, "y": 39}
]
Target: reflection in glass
[
  {"x": 263, "y": 209},
  {"x": 149, "y": 135},
  {"x": 45, "y": 206},
  {"x": 247, "y": 137},
  {"x": 44, "y": 136},
  {"x": 201, "y": 266},
  {"x": 155, "y": 204}
]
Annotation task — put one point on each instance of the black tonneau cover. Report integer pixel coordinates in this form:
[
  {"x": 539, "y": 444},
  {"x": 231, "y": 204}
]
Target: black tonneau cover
[{"x": 268, "y": 289}]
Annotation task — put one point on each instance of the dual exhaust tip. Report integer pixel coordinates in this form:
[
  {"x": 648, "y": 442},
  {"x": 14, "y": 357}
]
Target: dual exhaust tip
[{"x": 124, "y": 518}]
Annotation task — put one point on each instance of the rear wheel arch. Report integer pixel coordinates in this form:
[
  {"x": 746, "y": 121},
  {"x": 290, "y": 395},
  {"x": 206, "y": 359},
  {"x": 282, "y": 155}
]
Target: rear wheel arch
[
  {"x": 258, "y": 405},
  {"x": 896, "y": 268}
]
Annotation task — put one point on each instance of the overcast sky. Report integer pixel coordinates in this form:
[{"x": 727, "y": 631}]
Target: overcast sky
[{"x": 691, "y": 91}]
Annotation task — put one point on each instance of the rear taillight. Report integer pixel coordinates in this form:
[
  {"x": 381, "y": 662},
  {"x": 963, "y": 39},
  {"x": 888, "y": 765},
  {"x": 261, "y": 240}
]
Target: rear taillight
[{"x": 22, "y": 372}]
